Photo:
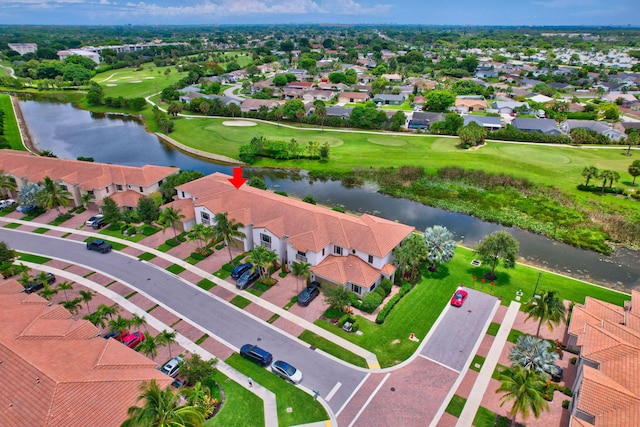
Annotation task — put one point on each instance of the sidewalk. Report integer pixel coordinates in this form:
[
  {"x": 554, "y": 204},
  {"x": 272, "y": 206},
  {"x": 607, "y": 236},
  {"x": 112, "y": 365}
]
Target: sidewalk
[
  {"x": 482, "y": 381},
  {"x": 371, "y": 358}
]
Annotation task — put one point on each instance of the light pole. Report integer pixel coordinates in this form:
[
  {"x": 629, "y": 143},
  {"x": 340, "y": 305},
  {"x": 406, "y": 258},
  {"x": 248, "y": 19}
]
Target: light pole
[{"x": 537, "y": 281}]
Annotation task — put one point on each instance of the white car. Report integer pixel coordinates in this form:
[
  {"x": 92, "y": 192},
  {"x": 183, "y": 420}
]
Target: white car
[
  {"x": 93, "y": 219},
  {"x": 286, "y": 371},
  {"x": 6, "y": 203},
  {"x": 172, "y": 367}
]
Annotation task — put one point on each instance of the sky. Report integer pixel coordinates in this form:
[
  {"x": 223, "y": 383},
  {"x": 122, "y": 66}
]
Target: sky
[{"x": 425, "y": 12}]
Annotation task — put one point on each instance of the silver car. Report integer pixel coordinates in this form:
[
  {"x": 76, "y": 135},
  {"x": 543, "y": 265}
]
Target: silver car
[{"x": 172, "y": 367}]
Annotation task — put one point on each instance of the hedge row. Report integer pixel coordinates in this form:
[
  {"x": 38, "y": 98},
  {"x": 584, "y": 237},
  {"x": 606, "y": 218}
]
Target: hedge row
[{"x": 382, "y": 315}]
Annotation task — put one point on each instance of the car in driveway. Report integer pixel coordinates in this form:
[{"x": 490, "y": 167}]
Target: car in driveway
[
  {"x": 256, "y": 354},
  {"x": 247, "y": 278},
  {"x": 172, "y": 367},
  {"x": 98, "y": 224},
  {"x": 93, "y": 219},
  {"x": 116, "y": 335},
  {"x": 239, "y": 270},
  {"x": 459, "y": 297},
  {"x": 286, "y": 371},
  {"x": 38, "y": 283},
  {"x": 132, "y": 340},
  {"x": 6, "y": 203},
  {"x": 178, "y": 382},
  {"x": 309, "y": 293}
]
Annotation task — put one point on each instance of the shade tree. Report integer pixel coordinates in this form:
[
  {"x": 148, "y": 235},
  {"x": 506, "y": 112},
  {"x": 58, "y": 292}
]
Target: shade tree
[{"x": 497, "y": 246}]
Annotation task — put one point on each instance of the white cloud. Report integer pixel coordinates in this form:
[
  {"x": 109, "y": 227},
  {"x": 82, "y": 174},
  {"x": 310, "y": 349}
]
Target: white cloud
[{"x": 553, "y": 4}]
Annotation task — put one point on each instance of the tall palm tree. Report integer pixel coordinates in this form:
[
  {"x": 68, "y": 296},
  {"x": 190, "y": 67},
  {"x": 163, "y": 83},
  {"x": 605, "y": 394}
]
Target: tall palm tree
[
  {"x": 52, "y": 195},
  {"x": 441, "y": 245},
  {"x": 149, "y": 346},
  {"x": 47, "y": 292},
  {"x": 86, "y": 297},
  {"x": 547, "y": 309},
  {"x": 534, "y": 354},
  {"x": 162, "y": 409},
  {"x": 412, "y": 252},
  {"x": 97, "y": 318},
  {"x": 7, "y": 184},
  {"x": 108, "y": 310},
  {"x": 86, "y": 200},
  {"x": 72, "y": 305},
  {"x": 138, "y": 321},
  {"x": 170, "y": 217},
  {"x": 524, "y": 388},
  {"x": 300, "y": 269},
  {"x": 589, "y": 172},
  {"x": 634, "y": 170},
  {"x": 167, "y": 338},
  {"x": 226, "y": 230},
  {"x": 119, "y": 324},
  {"x": 262, "y": 258},
  {"x": 64, "y": 287}
]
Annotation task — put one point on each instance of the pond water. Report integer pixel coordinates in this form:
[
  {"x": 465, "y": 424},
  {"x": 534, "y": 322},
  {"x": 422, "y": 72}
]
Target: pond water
[{"x": 70, "y": 132}]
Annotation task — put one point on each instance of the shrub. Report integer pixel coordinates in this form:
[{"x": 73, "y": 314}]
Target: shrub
[
  {"x": 573, "y": 360},
  {"x": 343, "y": 319},
  {"x": 380, "y": 291},
  {"x": 566, "y": 390},
  {"x": 565, "y": 404},
  {"x": 282, "y": 193},
  {"x": 220, "y": 246},
  {"x": 338, "y": 209},
  {"x": 80, "y": 209},
  {"x": 332, "y": 313},
  {"x": 131, "y": 231},
  {"x": 382, "y": 315},
  {"x": 371, "y": 301},
  {"x": 386, "y": 285},
  {"x": 172, "y": 242}
]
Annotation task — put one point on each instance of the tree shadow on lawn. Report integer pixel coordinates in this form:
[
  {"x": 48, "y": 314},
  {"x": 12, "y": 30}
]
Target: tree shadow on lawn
[
  {"x": 442, "y": 273},
  {"x": 503, "y": 280}
]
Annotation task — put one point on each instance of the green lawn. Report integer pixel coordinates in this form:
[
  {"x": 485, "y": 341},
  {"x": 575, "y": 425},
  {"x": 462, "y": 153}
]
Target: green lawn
[
  {"x": 477, "y": 360},
  {"x": 129, "y": 83},
  {"x": 493, "y": 329},
  {"x": 40, "y": 230},
  {"x": 11, "y": 131},
  {"x": 456, "y": 405},
  {"x": 206, "y": 284},
  {"x": 146, "y": 256},
  {"x": 484, "y": 418},
  {"x": 332, "y": 348},
  {"x": 175, "y": 269},
  {"x": 240, "y": 301},
  {"x": 390, "y": 341},
  {"x": 118, "y": 233},
  {"x": 240, "y": 407},
  {"x": 304, "y": 409},
  {"x": 36, "y": 259}
]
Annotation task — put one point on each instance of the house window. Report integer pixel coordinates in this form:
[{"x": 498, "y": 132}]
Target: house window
[
  {"x": 355, "y": 288},
  {"x": 370, "y": 259},
  {"x": 141, "y": 190},
  {"x": 107, "y": 189},
  {"x": 301, "y": 256},
  {"x": 119, "y": 187},
  {"x": 353, "y": 251},
  {"x": 205, "y": 217},
  {"x": 63, "y": 187},
  {"x": 322, "y": 251},
  {"x": 182, "y": 192},
  {"x": 337, "y": 250},
  {"x": 90, "y": 192},
  {"x": 265, "y": 240}
]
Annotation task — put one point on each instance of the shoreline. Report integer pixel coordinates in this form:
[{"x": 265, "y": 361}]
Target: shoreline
[{"x": 25, "y": 136}]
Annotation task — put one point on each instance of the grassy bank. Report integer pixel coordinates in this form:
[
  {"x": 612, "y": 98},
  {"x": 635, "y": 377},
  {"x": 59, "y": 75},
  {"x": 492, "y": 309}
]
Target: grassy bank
[{"x": 11, "y": 131}]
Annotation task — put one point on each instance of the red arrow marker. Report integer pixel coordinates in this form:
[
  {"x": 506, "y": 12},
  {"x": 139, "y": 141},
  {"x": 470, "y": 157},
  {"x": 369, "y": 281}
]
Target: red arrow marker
[{"x": 237, "y": 179}]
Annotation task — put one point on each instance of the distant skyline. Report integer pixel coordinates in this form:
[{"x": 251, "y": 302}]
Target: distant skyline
[{"x": 424, "y": 12}]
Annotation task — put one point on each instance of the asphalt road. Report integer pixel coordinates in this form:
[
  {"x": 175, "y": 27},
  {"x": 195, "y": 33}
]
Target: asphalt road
[
  {"x": 221, "y": 319},
  {"x": 455, "y": 336}
]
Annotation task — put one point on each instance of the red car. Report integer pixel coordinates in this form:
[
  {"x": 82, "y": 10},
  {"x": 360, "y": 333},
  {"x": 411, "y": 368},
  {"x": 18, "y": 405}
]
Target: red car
[
  {"x": 132, "y": 340},
  {"x": 458, "y": 298}
]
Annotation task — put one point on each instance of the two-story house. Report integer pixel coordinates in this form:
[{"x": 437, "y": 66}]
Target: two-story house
[{"x": 350, "y": 251}]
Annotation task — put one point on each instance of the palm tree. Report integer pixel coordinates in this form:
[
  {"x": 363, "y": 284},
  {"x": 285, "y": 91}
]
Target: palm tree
[
  {"x": 162, "y": 409},
  {"x": 72, "y": 305},
  {"x": 606, "y": 175},
  {"x": 86, "y": 200},
  {"x": 226, "y": 230},
  {"x": 138, "y": 321},
  {"x": 96, "y": 318},
  {"x": 25, "y": 278},
  {"x": 261, "y": 258},
  {"x": 634, "y": 170},
  {"x": 195, "y": 234},
  {"x": 548, "y": 309},
  {"x": 534, "y": 354},
  {"x": 590, "y": 172},
  {"x": 119, "y": 324},
  {"x": 47, "y": 292},
  {"x": 441, "y": 245},
  {"x": 7, "y": 184},
  {"x": 300, "y": 269},
  {"x": 149, "y": 346},
  {"x": 170, "y": 217},
  {"x": 85, "y": 297},
  {"x": 64, "y": 287},
  {"x": 52, "y": 195},
  {"x": 201, "y": 396},
  {"x": 108, "y": 310},
  {"x": 411, "y": 253},
  {"x": 167, "y": 338},
  {"x": 632, "y": 139},
  {"x": 523, "y": 387}
]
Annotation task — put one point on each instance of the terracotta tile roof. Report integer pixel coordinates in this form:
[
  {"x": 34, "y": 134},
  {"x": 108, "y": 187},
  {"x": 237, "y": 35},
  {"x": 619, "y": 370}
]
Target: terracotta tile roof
[
  {"x": 308, "y": 227},
  {"x": 343, "y": 269},
  {"x": 185, "y": 206},
  {"x": 87, "y": 175},
  {"x": 593, "y": 312},
  {"x": 60, "y": 372},
  {"x": 577, "y": 422},
  {"x": 125, "y": 198}
]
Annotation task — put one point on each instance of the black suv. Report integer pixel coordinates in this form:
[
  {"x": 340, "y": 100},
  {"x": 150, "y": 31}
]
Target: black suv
[
  {"x": 309, "y": 293},
  {"x": 255, "y": 353},
  {"x": 98, "y": 223},
  {"x": 39, "y": 284}
]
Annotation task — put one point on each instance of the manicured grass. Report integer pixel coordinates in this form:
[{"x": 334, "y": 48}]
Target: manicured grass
[
  {"x": 116, "y": 246},
  {"x": 146, "y": 256},
  {"x": 206, "y": 284},
  {"x": 484, "y": 418},
  {"x": 222, "y": 274},
  {"x": 11, "y": 131},
  {"x": 332, "y": 348},
  {"x": 456, "y": 405},
  {"x": 202, "y": 339},
  {"x": 36, "y": 259},
  {"x": 59, "y": 220},
  {"x": 12, "y": 225},
  {"x": 130, "y": 295},
  {"x": 135, "y": 238},
  {"x": 498, "y": 371},
  {"x": 192, "y": 261},
  {"x": 153, "y": 308},
  {"x": 513, "y": 336},
  {"x": 273, "y": 318},
  {"x": 493, "y": 329},
  {"x": 477, "y": 360},
  {"x": 304, "y": 408},
  {"x": 240, "y": 408},
  {"x": 129, "y": 83},
  {"x": 164, "y": 248},
  {"x": 175, "y": 269},
  {"x": 65, "y": 235},
  {"x": 240, "y": 301},
  {"x": 40, "y": 230}
]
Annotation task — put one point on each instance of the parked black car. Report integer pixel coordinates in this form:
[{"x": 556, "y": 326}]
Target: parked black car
[
  {"x": 98, "y": 223},
  {"x": 39, "y": 284},
  {"x": 239, "y": 270},
  {"x": 557, "y": 377},
  {"x": 99, "y": 246},
  {"x": 255, "y": 353},
  {"x": 309, "y": 293},
  {"x": 247, "y": 278}
]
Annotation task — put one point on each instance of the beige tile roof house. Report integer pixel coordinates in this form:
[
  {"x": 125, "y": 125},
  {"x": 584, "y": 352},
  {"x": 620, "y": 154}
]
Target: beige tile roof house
[
  {"x": 607, "y": 386},
  {"x": 342, "y": 249},
  {"x": 125, "y": 184},
  {"x": 57, "y": 371},
  {"x": 353, "y": 97}
]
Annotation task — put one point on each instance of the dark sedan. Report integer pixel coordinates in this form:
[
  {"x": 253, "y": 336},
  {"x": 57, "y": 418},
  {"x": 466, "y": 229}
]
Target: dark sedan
[
  {"x": 247, "y": 278},
  {"x": 309, "y": 293},
  {"x": 241, "y": 269}
]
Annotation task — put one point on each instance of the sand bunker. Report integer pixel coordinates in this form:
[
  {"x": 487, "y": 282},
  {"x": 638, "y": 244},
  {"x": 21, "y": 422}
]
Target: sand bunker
[{"x": 238, "y": 123}]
